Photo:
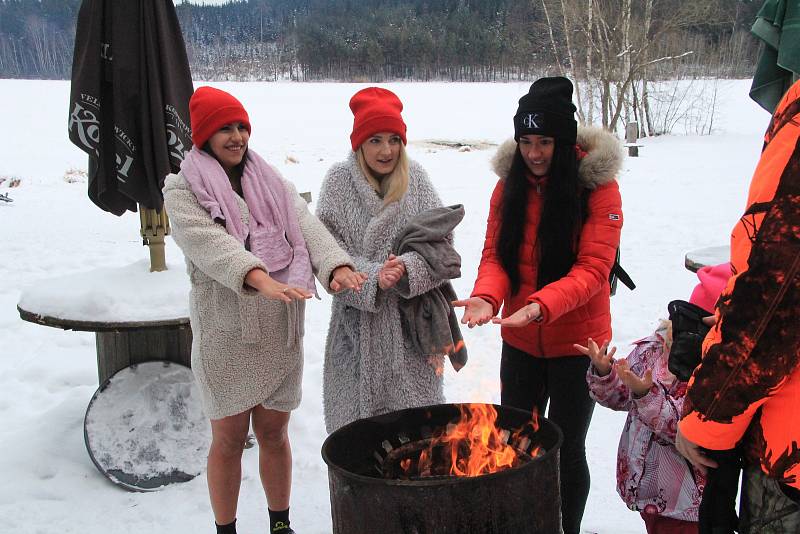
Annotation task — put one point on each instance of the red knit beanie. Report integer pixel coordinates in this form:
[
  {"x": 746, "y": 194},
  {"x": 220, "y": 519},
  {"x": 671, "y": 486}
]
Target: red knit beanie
[
  {"x": 713, "y": 279},
  {"x": 210, "y": 109},
  {"x": 375, "y": 110}
]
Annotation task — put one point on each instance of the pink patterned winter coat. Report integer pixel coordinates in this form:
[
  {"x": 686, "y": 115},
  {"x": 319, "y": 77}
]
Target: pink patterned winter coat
[{"x": 652, "y": 477}]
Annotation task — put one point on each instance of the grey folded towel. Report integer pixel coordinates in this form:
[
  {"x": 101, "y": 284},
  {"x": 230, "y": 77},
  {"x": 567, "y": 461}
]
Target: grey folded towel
[{"x": 429, "y": 318}]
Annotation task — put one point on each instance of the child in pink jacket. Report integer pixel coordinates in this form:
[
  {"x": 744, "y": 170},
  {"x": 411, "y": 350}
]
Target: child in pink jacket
[{"x": 652, "y": 477}]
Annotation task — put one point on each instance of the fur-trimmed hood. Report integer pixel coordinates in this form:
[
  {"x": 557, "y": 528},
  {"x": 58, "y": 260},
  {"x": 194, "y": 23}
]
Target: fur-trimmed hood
[{"x": 600, "y": 166}]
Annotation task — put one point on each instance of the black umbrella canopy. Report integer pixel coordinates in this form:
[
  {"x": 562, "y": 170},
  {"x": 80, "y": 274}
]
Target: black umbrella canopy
[{"x": 129, "y": 102}]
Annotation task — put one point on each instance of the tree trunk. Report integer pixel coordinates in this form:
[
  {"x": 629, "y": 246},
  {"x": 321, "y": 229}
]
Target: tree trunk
[
  {"x": 589, "y": 47},
  {"x": 552, "y": 38},
  {"x": 623, "y": 85},
  {"x": 647, "y": 123},
  {"x": 572, "y": 70}
]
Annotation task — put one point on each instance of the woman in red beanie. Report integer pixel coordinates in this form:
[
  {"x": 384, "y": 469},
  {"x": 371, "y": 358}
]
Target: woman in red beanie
[
  {"x": 554, "y": 224},
  {"x": 371, "y": 363},
  {"x": 251, "y": 247}
]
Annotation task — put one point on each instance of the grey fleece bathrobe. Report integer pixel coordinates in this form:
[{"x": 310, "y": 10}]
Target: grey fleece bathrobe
[
  {"x": 371, "y": 365},
  {"x": 246, "y": 350}
]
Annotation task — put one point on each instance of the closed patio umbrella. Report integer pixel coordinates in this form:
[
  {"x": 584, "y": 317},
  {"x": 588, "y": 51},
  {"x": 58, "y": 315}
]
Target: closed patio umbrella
[
  {"x": 778, "y": 26},
  {"x": 128, "y": 107}
]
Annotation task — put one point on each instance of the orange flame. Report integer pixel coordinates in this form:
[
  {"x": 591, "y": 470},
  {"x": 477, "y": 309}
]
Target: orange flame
[{"x": 475, "y": 445}]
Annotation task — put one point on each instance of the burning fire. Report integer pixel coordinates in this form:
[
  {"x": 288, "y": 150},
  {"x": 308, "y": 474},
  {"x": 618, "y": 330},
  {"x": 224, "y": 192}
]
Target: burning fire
[{"x": 474, "y": 445}]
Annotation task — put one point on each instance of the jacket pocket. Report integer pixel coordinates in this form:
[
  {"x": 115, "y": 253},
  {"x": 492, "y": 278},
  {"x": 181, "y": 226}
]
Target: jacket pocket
[
  {"x": 346, "y": 331},
  {"x": 225, "y": 305},
  {"x": 202, "y": 305}
]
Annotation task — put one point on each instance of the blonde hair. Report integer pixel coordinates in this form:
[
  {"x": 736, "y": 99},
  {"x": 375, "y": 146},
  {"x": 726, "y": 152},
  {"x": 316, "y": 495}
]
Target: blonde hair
[{"x": 393, "y": 186}]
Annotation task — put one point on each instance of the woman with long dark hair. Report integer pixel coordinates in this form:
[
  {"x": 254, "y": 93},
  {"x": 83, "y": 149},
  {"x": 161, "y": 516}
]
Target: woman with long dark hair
[{"x": 551, "y": 240}]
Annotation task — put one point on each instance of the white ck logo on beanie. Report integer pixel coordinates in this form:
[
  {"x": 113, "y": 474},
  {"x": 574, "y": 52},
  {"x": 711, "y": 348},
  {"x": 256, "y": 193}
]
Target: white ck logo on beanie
[{"x": 532, "y": 120}]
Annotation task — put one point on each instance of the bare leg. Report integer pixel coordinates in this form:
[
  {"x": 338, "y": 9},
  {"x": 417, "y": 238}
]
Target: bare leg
[
  {"x": 225, "y": 464},
  {"x": 274, "y": 455}
]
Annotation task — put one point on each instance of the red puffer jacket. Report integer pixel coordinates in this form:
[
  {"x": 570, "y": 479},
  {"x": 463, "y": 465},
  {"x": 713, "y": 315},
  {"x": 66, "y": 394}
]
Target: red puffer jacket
[{"x": 576, "y": 306}]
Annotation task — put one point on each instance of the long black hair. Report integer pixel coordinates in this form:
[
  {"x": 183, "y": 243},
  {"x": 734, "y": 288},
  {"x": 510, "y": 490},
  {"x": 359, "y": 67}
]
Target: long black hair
[{"x": 564, "y": 211}]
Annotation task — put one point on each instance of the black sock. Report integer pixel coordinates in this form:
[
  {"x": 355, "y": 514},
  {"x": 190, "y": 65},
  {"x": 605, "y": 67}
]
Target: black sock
[
  {"x": 230, "y": 528},
  {"x": 279, "y": 521}
]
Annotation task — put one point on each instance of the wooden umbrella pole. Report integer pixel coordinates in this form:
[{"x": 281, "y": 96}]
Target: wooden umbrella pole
[{"x": 154, "y": 226}]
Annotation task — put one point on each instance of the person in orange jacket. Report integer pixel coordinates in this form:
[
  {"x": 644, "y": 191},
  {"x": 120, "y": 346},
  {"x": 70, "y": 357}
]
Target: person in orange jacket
[
  {"x": 746, "y": 390},
  {"x": 551, "y": 240}
]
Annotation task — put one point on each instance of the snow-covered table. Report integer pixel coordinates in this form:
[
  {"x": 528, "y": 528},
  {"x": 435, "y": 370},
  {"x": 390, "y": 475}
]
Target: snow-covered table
[
  {"x": 699, "y": 258},
  {"x": 144, "y": 427},
  {"x": 137, "y": 316}
]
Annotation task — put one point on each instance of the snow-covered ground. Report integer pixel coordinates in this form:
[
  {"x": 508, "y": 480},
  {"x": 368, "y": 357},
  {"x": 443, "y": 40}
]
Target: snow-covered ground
[{"x": 684, "y": 192}]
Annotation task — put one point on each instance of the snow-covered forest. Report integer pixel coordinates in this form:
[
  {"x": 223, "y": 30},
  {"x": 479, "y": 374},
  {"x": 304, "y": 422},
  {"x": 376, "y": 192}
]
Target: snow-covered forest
[{"x": 418, "y": 40}]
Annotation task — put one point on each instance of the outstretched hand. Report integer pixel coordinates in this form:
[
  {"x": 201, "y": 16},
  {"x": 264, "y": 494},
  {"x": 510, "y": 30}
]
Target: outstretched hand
[
  {"x": 477, "y": 311},
  {"x": 602, "y": 358},
  {"x": 522, "y": 317},
  {"x": 272, "y": 289},
  {"x": 639, "y": 386},
  {"x": 344, "y": 277}
]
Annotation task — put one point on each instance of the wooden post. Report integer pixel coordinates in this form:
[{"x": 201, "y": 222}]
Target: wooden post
[
  {"x": 631, "y": 136},
  {"x": 154, "y": 226}
]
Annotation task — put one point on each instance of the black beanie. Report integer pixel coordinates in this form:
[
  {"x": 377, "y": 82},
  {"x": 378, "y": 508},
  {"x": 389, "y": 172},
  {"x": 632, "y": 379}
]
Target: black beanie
[{"x": 548, "y": 110}]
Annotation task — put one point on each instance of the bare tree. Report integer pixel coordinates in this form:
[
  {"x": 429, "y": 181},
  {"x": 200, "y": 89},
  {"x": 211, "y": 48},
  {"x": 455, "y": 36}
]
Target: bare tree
[
  {"x": 589, "y": 118},
  {"x": 621, "y": 40},
  {"x": 552, "y": 38},
  {"x": 647, "y": 125},
  {"x": 571, "y": 58}
]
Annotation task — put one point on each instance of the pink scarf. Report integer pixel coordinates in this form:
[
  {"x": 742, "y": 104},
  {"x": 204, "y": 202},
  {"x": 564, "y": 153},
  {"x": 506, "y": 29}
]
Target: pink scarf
[{"x": 274, "y": 233}]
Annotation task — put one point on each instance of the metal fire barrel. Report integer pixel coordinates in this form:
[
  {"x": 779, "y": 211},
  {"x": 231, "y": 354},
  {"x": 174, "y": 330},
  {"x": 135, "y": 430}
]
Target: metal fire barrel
[{"x": 519, "y": 500}]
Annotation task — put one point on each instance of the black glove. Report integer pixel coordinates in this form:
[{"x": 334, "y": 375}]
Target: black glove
[{"x": 688, "y": 333}]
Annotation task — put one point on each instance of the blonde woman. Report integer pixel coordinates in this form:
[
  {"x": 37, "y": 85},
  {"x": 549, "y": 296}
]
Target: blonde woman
[{"x": 366, "y": 201}]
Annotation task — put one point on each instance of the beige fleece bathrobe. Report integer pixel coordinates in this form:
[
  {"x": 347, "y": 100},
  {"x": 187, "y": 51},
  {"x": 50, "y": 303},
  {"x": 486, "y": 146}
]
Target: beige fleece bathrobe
[{"x": 246, "y": 350}]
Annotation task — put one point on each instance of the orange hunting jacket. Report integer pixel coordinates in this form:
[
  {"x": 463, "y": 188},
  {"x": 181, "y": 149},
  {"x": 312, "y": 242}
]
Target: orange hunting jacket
[{"x": 748, "y": 385}]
